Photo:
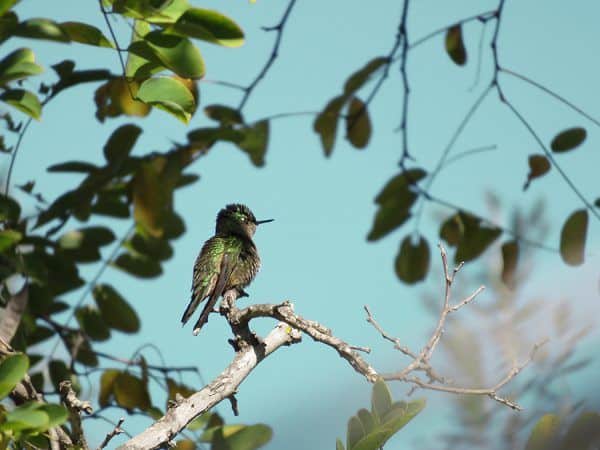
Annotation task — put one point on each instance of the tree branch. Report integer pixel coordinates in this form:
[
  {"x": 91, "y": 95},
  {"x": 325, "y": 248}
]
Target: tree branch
[
  {"x": 75, "y": 407},
  {"x": 225, "y": 385},
  {"x": 11, "y": 316}
]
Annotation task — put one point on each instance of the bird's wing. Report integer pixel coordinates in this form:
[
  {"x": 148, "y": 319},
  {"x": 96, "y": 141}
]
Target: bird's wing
[
  {"x": 228, "y": 263},
  {"x": 206, "y": 272}
]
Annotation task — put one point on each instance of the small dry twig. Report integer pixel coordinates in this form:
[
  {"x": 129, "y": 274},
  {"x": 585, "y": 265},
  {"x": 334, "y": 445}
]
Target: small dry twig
[{"x": 116, "y": 431}]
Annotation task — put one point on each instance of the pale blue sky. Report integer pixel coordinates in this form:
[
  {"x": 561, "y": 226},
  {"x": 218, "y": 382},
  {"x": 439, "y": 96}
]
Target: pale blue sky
[{"x": 315, "y": 253}]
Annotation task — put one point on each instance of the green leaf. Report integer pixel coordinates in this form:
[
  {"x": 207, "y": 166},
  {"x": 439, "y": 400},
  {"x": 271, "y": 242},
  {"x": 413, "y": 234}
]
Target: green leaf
[
  {"x": 12, "y": 370},
  {"x": 538, "y": 166},
  {"x": 174, "y": 52},
  {"x": 225, "y": 115},
  {"x": 131, "y": 392},
  {"x": 355, "y": 432},
  {"x": 455, "y": 46},
  {"x": 475, "y": 237},
  {"x": 85, "y": 34},
  {"x": 42, "y": 29},
  {"x": 545, "y": 433},
  {"x": 398, "y": 185},
  {"x": 368, "y": 420},
  {"x": 8, "y": 238},
  {"x": 115, "y": 310},
  {"x": 6, "y": 5},
  {"x": 211, "y": 26},
  {"x": 185, "y": 444},
  {"x": 381, "y": 399},
  {"x": 358, "y": 124},
  {"x": 388, "y": 218},
  {"x": 326, "y": 123},
  {"x": 510, "y": 258},
  {"x": 96, "y": 236},
  {"x": 168, "y": 94},
  {"x": 241, "y": 437},
  {"x": 10, "y": 210},
  {"x": 138, "y": 67},
  {"x": 91, "y": 323},
  {"x": 583, "y": 432},
  {"x": 107, "y": 383},
  {"x": 154, "y": 248},
  {"x": 117, "y": 97},
  {"x": 120, "y": 143},
  {"x": 138, "y": 266},
  {"x": 18, "y": 65},
  {"x": 23, "y": 100},
  {"x": 361, "y": 76},
  {"x": 568, "y": 139},
  {"x": 155, "y": 11},
  {"x": 573, "y": 237},
  {"x": 26, "y": 417},
  {"x": 255, "y": 141},
  {"x": 8, "y": 25},
  {"x": 339, "y": 445},
  {"x": 57, "y": 414},
  {"x": 412, "y": 262},
  {"x": 73, "y": 166}
]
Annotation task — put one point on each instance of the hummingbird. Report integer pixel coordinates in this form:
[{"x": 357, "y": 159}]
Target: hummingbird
[{"x": 228, "y": 260}]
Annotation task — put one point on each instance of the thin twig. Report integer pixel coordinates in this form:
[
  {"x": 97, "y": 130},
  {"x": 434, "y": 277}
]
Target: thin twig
[
  {"x": 116, "y": 431},
  {"x": 274, "y": 53}
]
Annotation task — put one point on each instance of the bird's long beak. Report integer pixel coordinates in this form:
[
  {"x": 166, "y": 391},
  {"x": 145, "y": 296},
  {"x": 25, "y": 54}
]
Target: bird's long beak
[{"x": 258, "y": 222}]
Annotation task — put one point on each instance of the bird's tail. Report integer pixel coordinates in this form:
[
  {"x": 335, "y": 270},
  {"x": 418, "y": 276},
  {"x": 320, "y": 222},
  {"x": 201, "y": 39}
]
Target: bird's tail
[
  {"x": 205, "y": 312},
  {"x": 191, "y": 307}
]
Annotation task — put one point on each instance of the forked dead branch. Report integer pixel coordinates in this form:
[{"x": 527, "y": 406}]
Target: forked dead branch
[{"x": 251, "y": 349}]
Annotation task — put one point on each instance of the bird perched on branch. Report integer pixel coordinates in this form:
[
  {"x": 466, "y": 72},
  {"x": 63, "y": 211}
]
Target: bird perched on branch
[{"x": 228, "y": 260}]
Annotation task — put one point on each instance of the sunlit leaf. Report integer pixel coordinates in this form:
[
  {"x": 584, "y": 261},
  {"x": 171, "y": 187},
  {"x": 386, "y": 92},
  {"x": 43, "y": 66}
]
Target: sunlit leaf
[
  {"x": 57, "y": 414},
  {"x": 12, "y": 370},
  {"x": 23, "y": 100},
  {"x": 455, "y": 46},
  {"x": 42, "y": 29},
  {"x": 573, "y": 237},
  {"x": 168, "y": 94},
  {"x": 544, "y": 434},
  {"x": 107, "y": 383},
  {"x": 8, "y": 238},
  {"x": 26, "y": 417},
  {"x": 5, "y": 5},
  {"x": 117, "y": 97},
  {"x": 115, "y": 310},
  {"x": 538, "y": 166},
  {"x": 358, "y": 124},
  {"x": 568, "y": 139},
  {"x": 17, "y": 65},
  {"x": 85, "y": 34},
  {"x": 412, "y": 262},
  {"x": 211, "y": 26}
]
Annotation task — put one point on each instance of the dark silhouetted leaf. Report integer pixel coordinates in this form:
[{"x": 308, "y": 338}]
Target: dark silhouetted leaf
[
  {"x": 573, "y": 237},
  {"x": 210, "y": 26},
  {"x": 224, "y": 114},
  {"x": 73, "y": 166},
  {"x": 168, "y": 94},
  {"x": 455, "y": 45},
  {"x": 475, "y": 238},
  {"x": 92, "y": 324},
  {"x": 584, "y": 431},
  {"x": 510, "y": 258},
  {"x": 60, "y": 372},
  {"x": 538, "y": 166},
  {"x": 568, "y": 139},
  {"x": 412, "y": 262},
  {"x": 255, "y": 141},
  {"x": 154, "y": 248},
  {"x": 398, "y": 185},
  {"x": 112, "y": 206},
  {"x": 120, "y": 143},
  {"x": 9, "y": 209},
  {"x": 451, "y": 230},
  {"x": 12, "y": 370},
  {"x": 115, "y": 311},
  {"x": 138, "y": 266},
  {"x": 326, "y": 123},
  {"x": 130, "y": 392},
  {"x": 174, "y": 226},
  {"x": 358, "y": 124},
  {"x": 361, "y": 76}
]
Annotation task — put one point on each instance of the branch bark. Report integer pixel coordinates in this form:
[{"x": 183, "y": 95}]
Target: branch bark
[
  {"x": 224, "y": 386},
  {"x": 11, "y": 316}
]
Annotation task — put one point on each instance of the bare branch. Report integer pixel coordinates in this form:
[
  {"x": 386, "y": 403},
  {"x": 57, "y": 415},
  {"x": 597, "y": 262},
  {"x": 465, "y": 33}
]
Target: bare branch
[
  {"x": 116, "y": 431},
  {"x": 11, "y": 316},
  {"x": 221, "y": 388}
]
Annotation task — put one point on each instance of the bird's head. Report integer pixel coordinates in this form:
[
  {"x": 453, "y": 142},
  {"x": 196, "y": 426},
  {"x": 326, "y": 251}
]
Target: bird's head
[{"x": 238, "y": 219}]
